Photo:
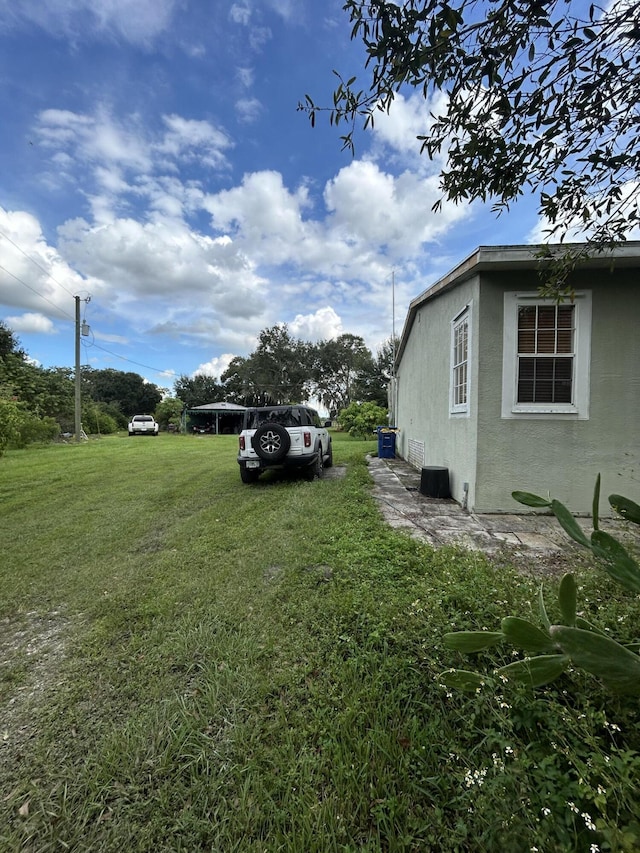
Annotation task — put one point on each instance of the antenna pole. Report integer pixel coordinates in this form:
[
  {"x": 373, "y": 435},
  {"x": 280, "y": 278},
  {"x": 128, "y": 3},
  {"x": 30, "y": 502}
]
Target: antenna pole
[{"x": 393, "y": 321}]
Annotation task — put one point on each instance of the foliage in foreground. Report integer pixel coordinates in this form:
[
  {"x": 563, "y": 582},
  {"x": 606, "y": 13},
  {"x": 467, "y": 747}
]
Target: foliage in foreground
[
  {"x": 574, "y": 640},
  {"x": 528, "y": 96},
  {"x": 174, "y": 683}
]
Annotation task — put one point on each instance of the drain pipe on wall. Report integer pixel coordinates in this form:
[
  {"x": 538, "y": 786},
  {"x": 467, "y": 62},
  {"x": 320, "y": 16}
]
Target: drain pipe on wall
[{"x": 465, "y": 499}]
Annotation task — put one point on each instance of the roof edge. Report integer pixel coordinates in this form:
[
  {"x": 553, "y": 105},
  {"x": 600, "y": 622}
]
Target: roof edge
[{"x": 514, "y": 257}]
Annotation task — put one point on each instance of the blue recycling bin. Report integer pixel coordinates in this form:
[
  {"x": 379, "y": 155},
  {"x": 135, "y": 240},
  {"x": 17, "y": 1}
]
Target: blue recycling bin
[{"x": 387, "y": 442}]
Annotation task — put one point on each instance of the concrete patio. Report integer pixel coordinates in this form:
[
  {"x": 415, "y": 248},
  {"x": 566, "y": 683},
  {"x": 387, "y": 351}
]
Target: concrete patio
[{"x": 443, "y": 522}]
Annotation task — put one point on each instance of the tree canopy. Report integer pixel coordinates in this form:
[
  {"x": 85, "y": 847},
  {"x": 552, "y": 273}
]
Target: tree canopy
[
  {"x": 535, "y": 97},
  {"x": 198, "y": 390},
  {"x": 277, "y": 371},
  {"x": 127, "y": 392},
  {"x": 342, "y": 367}
]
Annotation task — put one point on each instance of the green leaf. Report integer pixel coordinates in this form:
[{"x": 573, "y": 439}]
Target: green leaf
[
  {"x": 567, "y": 599},
  {"x": 536, "y": 671},
  {"x": 628, "y": 509},
  {"x": 607, "y": 547},
  {"x": 626, "y": 571},
  {"x": 596, "y": 503},
  {"x": 617, "y": 561},
  {"x": 568, "y": 523},
  {"x": 529, "y": 499},
  {"x": 618, "y": 667},
  {"x": 588, "y": 626},
  {"x": 462, "y": 679},
  {"x": 471, "y": 641},
  {"x": 526, "y": 635},
  {"x": 543, "y": 610}
]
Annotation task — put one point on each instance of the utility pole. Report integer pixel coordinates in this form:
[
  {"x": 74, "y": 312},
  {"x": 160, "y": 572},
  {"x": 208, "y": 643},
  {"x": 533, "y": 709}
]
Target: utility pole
[{"x": 78, "y": 424}]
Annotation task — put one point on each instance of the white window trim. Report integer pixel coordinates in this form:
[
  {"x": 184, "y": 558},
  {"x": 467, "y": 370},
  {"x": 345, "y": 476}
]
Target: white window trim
[
  {"x": 579, "y": 409},
  {"x": 460, "y": 409}
]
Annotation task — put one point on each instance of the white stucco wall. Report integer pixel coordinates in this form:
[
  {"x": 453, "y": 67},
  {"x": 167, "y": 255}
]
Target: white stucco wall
[
  {"x": 496, "y": 455},
  {"x": 555, "y": 454},
  {"x": 424, "y": 377}
]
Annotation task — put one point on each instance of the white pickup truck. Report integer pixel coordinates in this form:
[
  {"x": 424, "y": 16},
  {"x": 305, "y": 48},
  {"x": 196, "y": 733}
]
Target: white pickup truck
[
  {"x": 143, "y": 425},
  {"x": 283, "y": 437}
]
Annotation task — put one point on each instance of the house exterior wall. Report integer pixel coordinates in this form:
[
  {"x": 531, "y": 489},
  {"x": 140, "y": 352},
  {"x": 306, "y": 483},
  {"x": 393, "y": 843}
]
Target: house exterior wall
[
  {"x": 554, "y": 453},
  {"x": 424, "y": 387},
  {"x": 494, "y": 454}
]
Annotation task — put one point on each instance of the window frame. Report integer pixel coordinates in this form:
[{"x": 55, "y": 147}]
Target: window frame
[
  {"x": 579, "y": 407},
  {"x": 462, "y": 318}
]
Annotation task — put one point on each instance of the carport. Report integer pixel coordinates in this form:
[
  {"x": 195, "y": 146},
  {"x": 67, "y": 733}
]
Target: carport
[{"x": 213, "y": 419}]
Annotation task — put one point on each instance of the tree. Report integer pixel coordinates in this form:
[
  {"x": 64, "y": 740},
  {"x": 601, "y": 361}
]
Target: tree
[
  {"x": 539, "y": 97},
  {"x": 373, "y": 385},
  {"x": 198, "y": 390},
  {"x": 338, "y": 366},
  {"x": 169, "y": 411},
  {"x": 9, "y": 344},
  {"x": 127, "y": 391},
  {"x": 10, "y": 420},
  {"x": 239, "y": 385},
  {"x": 277, "y": 371}
]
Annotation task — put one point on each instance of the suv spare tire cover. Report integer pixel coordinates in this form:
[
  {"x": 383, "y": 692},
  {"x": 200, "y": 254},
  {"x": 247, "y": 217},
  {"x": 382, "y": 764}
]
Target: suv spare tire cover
[{"x": 271, "y": 442}]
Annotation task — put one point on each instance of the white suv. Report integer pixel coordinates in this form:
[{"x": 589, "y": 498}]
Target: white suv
[
  {"x": 143, "y": 425},
  {"x": 283, "y": 437}
]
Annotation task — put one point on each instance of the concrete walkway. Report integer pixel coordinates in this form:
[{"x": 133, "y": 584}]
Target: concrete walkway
[{"x": 444, "y": 522}]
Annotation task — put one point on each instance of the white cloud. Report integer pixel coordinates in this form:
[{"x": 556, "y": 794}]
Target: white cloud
[
  {"x": 263, "y": 211},
  {"x": 190, "y": 138},
  {"x": 245, "y": 76},
  {"x": 136, "y": 21},
  {"x": 28, "y": 323},
  {"x": 375, "y": 208},
  {"x": 248, "y": 109},
  {"x": 114, "y": 148},
  {"x": 287, "y": 9},
  {"x": 399, "y": 129},
  {"x": 240, "y": 14},
  {"x": 93, "y": 139},
  {"x": 577, "y": 231},
  {"x": 135, "y": 259},
  {"x": 34, "y": 276},
  {"x": 216, "y": 367},
  {"x": 258, "y": 37},
  {"x": 324, "y": 324}
]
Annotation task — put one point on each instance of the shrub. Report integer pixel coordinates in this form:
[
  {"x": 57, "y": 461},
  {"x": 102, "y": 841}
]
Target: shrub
[
  {"x": 361, "y": 419},
  {"x": 101, "y": 422},
  {"x": 10, "y": 418},
  {"x": 33, "y": 429}
]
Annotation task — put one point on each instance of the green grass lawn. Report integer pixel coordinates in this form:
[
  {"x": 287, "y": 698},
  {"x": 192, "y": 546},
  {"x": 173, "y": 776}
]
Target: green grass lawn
[{"x": 189, "y": 663}]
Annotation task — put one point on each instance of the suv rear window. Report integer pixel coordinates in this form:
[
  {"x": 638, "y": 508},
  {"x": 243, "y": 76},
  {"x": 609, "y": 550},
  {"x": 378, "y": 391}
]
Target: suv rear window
[{"x": 290, "y": 416}]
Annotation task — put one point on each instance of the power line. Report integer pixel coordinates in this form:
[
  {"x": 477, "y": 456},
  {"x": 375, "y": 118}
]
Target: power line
[
  {"x": 37, "y": 293},
  {"x": 130, "y": 361},
  {"x": 33, "y": 261},
  {"x": 58, "y": 308}
]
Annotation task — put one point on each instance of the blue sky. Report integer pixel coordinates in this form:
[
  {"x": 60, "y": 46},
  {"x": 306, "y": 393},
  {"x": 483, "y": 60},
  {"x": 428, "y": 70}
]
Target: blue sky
[{"x": 153, "y": 159}]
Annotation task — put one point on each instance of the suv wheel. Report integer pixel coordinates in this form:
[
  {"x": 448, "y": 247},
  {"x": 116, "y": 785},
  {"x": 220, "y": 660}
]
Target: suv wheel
[
  {"x": 315, "y": 469},
  {"x": 271, "y": 442},
  {"x": 328, "y": 462}
]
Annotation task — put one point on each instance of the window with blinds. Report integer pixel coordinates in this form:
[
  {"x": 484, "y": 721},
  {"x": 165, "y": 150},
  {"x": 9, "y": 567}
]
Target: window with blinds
[
  {"x": 546, "y": 356},
  {"x": 546, "y": 336}
]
